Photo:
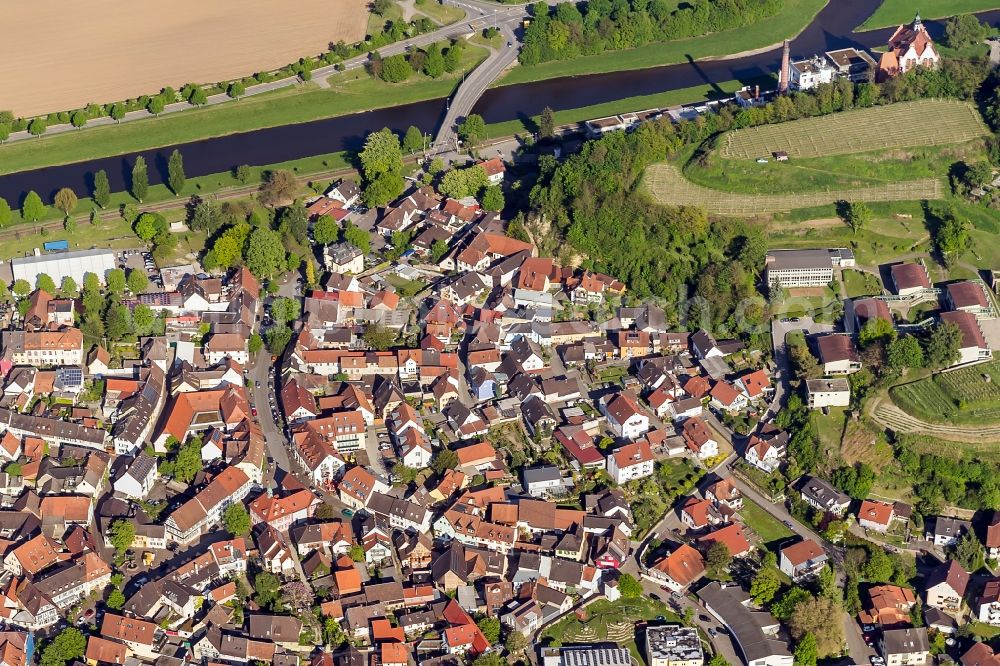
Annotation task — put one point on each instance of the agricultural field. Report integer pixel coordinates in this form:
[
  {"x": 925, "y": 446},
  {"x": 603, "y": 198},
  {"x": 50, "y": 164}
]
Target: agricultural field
[
  {"x": 667, "y": 185},
  {"x": 910, "y": 124},
  {"x": 967, "y": 396},
  {"x": 115, "y": 49}
]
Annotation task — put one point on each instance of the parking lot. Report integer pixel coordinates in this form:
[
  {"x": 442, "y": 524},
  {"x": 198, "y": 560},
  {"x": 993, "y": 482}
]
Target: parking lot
[{"x": 139, "y": 259}]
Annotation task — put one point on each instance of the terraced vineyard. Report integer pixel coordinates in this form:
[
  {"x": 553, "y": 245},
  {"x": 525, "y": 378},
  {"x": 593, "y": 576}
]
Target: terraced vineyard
[
  {"x": 667, "y": 185},
  {"x": 966, "y": 396},
  {"x": 931, "y": 122}
]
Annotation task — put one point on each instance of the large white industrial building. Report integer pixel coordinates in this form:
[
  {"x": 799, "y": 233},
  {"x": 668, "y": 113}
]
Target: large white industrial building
[{"x": 60, "y": 264}]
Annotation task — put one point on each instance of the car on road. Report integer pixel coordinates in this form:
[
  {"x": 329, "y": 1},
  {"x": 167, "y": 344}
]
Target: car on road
[
  {"x": 510, "y": 44},
  {"x": 257, "y": 384},
  {"x": 253, "y": 410},
  {"x": 788, "y": 523},
  {"x": 868, "y": 639},
  {"x": 347, "y": 513},
  {"x": 704, "y": 618},
  {"x": 712, "y": 632},
  {"x": 876, "y": 660},
  {"x": 868, "y": 628}
]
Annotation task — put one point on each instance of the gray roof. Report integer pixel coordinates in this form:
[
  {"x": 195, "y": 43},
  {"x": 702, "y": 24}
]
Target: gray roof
[
  {"x": 541, "y": 474},
  {"x": 746, "y": 627},
  {"x": 791, "y": 259},
  {"x": 905, "y": 641},
  {"x": 823, "y": 493}
]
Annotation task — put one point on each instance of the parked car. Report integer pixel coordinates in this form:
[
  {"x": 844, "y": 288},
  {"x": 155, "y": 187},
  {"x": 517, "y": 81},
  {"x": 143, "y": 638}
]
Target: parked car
[{"x": 347, "y": 513}]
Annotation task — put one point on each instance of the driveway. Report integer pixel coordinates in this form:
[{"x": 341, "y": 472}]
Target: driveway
[{"x": 780, "y": 328}]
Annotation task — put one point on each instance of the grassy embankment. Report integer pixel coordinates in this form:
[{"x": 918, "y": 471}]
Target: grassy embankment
[
  {"x": 894, "y": 12},
  {"x": 309, "y": 102},
  {"x": 793, "y": 17},
  {"x": 350, "y": 92}
]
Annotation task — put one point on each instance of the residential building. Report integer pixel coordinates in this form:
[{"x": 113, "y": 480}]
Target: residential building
[
  {"x": 811, "y": 72},
  {"x": 947, "y": 531},
  {"x": 828, "y": 392},
  {"x": 44, "y": 348},
  {"x": 946, "y": 585},
  {"x": 905, "y": 647},
  {"x": 543, "y": 481},
  {"x": 909, "y": 279},
  {"x": 823, "y": 496},
  {"x": 632, "y": 461},
  {"x": 673, "y": 645},
  {"x": 988, "y": 604},
  {"x": 802, "y": 560},
  {"x": 889, "y": 606},
  {"x": 837, "y": 354},
  {"x": 625, "y": 417},
  {"x": 679, "y": 569},
  {"x": 875, "y": 515}
]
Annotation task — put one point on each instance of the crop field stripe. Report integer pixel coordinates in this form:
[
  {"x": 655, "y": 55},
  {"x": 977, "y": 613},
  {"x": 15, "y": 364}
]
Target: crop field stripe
[
  {"x": 928, "y": 122},
  {"x": 667, "y": 185}
]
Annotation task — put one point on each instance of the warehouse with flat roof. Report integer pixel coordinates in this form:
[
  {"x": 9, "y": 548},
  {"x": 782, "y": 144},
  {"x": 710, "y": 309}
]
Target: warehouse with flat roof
[{"x": 62, "y": 264}]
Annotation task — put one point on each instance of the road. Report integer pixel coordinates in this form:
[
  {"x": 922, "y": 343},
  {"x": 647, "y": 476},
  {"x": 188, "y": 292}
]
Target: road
[
  {"x": 488, "y": 14},
  {"x": 779, "y": 330},
  {"x": 476, "y": 83}
]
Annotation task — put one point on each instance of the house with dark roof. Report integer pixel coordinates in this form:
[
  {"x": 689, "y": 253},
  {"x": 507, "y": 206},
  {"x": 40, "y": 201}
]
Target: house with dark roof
[
  {"x": 946, "y": 586},
  {"x": 837, "y": 354},
  {"x": 822, "y": 495}
]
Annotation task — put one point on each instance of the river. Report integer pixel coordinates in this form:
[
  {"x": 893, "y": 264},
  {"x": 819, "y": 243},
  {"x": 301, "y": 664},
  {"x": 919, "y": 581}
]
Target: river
[{"x": 832, "y": 28}]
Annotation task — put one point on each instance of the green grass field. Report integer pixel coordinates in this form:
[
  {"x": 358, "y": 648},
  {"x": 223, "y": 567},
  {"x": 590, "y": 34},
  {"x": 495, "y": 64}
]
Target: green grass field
[
  {"x": 767, "y": 527},
  {"x": 351, "y": 92},
  {"x": 667, "y": 185},
  {"x": 929, "y": 122},
  {"x": 794, "y": 16},
  {"x": 894, "y": 12},
  {"x": 859, "y": 283},
  {"x": 961, "y": 397}
]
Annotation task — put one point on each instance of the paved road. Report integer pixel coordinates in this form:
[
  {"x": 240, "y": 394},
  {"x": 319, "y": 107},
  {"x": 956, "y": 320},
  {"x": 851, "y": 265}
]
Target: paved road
[
  {"x": 476, "y": 83},
  {"x": 779, "y": 330},
  {"x": 486, "y": 14}
]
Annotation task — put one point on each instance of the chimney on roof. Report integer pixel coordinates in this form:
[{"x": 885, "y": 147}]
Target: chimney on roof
[
  {"x": 785, "y": 72},
  {"x": 756, "y": 92}
]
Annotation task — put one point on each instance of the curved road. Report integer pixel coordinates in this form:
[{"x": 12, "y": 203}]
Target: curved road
[{"x": 832, "y": 28}]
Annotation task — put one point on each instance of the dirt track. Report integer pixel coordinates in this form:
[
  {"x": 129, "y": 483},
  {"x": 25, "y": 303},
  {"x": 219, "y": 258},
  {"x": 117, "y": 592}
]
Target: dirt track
[{"x": 57, "y": 55}]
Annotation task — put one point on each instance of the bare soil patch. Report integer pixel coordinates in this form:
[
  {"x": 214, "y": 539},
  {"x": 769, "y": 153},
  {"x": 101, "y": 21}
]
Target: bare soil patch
[{"x": 57, "y": 55}]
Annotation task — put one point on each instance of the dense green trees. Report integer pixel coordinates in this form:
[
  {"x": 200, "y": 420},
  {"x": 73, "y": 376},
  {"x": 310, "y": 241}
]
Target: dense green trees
[
  {"x": 951, "y": 236},
  {"x": 69, "y": 644},
  {"x": 395, "y": 69},
  {"x": 459, "y": 183},
  {"x": 566, "y": 32},
  {"x": 357, "y": 237},
  {"x": 382, "y": 167},
  {"x": 121, "y": 533},
  {"x": 963, "y": 30},
  {"x": 326, "y": 230},
  {"x": 943, "y": 344},
  {"x": 236, "y": 519},
  {"x": 472, "y": 130},
  {"x": 278, "y": 186},
  {"x": 5, "y": 212}
]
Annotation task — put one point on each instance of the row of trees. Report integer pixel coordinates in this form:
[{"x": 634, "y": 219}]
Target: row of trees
[
  {"x": 197, "y": 95},
  {"x": 570, "y": 30}
]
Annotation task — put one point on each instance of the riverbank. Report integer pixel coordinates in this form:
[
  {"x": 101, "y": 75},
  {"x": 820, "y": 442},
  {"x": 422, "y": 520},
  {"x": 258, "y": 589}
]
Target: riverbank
[
  {"x": 311, "y": 102},
  {"x": 891, "y": 13},
  {"x": 349, "y": 92},
  {"x": 794, "y": 17},
  {"x": 663, "y": 100}
]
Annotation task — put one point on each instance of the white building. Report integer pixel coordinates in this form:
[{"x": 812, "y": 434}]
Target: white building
[
  {"x": 828, "y": 393},
  {"x": 138, "y": 478},
  {"x": 632, "y": 461},
  {"x": 64, "y": 264},
  {"x": 809, "y": 73},
  {"x": 673, "y": 645},
  {"x": 625, "y": 417}
]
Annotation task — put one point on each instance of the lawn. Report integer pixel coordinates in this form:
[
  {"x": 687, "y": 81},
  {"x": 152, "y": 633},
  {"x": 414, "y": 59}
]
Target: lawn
[
  {"x": 894, "y": 12},
  {"x": 859, "y": 283},
  {"x": 793, "y": 17},
  {"x": 830, "y": 427},
  {"x": 767, "y": 527},
  {"x": 440, "y": 14},
  {"x": 609, "y": 621},
  {"x": 350, "y": 92},
  {"x": 970, "y": 396},
  {"x": 806, "y": 301},
  {"x": 927, "y": 122}
]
